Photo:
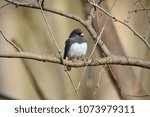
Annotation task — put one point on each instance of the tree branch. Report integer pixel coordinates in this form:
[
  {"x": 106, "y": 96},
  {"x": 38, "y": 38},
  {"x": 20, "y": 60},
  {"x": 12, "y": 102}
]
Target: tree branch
[
  {"x": 123, "y": 23},
  {"x": 129, "y": 61},
  {"x": 109, "y": 59},
  {"x": 41, "y": 4},
  {"x": 10, "y": 42},
  {"x": 86, "y": 23},
  {"x": 117, "y": 60},
  {"x": 36, "y": 6},
  {"x": 2, "y": 6}
]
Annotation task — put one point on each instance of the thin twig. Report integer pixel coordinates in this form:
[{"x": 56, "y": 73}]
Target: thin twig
[
  {"x": 32, "y": 77},
  {"x": 2, "y": 6},
  {"x": 85, "y": 23},
  {"x": 148, "y": 16},
  {"x": 130, "y": 13},
  {"x": 58, "y": 12},
  {"x": 98, "y": 38},
  {"x": 123, "y": 23},
  {"x": 49, "y": 28},
  {"x": 56, "y": 44},
  {"x": 114, "y": 78},
  {"x": 97, "y": 41},
  {"x": 10, "y": 42},
  {"x": 98, "y": 83},
  {"x": 34, "y": 82},
  {"x": 75, "y": 89},
  {"x": 143, "y": 9}
]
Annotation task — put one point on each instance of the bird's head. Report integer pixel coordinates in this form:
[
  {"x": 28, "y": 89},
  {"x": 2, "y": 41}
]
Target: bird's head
[{"x": 76, "y": 32}]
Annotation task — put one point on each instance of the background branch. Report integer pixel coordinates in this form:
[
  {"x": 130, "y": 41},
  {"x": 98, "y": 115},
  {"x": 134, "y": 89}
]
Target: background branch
[
  {"x": 123, "y": 23},
  {"x": 121, "y": 77}
]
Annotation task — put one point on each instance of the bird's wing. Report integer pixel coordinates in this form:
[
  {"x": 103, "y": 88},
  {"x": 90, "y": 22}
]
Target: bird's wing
[{"x": 67, "y": 47}]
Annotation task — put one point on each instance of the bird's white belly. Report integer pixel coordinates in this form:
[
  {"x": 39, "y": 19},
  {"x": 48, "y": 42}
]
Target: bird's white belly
[{"x": 77, "y": 50}]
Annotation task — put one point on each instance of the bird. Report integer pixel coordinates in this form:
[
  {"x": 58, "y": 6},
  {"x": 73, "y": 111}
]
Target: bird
[{"x": 75, "y": 46}]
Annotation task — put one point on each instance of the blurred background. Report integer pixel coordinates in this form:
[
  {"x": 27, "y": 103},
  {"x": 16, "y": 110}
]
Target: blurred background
[{"x": 28, "y": 79}]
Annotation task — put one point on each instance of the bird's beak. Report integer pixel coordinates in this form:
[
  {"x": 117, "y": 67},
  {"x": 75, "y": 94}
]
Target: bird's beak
[{"x": 82, "y": 34}]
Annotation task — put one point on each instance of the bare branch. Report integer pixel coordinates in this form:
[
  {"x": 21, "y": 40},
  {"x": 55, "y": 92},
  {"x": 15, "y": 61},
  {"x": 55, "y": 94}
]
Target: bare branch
[
  {"x": 2, "y": 6},
  {"x": 56, "y": 44},
  {"x": 32, "y": 78},
  {"x": 98, "y": 83},
  {"x": 58, "y": 12},
  {"x": 96, "y": 43},
  {"x": 48, "y": 27},
  {"x": 117, "y": 60},
  {"x": 85, "y": 23},
  {"x": 10, "y": 42},
  {"x": 77, "y": 18},
  {"x": 142, "y": 9},
  {"x": 109, "y": 59},
  {"x": 123, "y": 23}
]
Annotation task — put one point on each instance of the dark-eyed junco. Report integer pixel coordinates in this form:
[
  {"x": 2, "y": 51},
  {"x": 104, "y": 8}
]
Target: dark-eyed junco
[{"x": 75, "y": 46}]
